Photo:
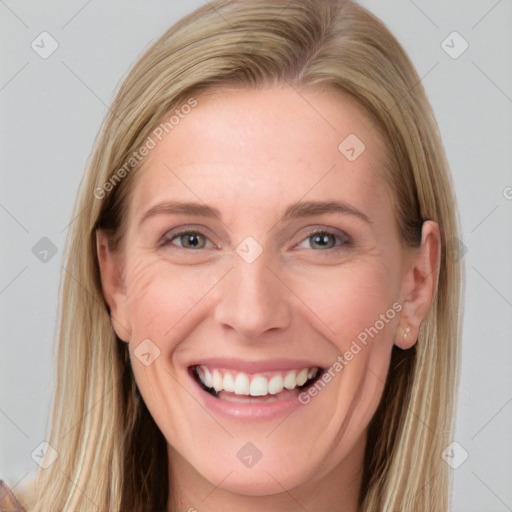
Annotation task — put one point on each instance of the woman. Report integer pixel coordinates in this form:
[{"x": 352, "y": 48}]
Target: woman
[{"x": 214, "y": 353}]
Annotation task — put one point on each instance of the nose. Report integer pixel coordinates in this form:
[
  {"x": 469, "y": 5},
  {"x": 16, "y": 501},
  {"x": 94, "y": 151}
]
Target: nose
[{"x": 253, "y": 299}]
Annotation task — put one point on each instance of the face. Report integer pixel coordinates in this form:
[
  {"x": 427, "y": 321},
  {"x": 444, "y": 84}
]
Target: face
[{"x": 261, "y": 318}]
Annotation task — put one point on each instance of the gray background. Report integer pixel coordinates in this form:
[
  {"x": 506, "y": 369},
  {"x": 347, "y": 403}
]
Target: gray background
[{"x": 51, "y": 110}]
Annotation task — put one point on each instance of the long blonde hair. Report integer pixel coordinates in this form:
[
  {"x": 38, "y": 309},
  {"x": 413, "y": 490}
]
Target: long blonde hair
[{"x": 111, "y": 454}]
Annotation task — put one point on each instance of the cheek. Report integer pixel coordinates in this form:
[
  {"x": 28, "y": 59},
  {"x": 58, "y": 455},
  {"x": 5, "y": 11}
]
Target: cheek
[
  {"x": 348, "y": 301},
  {"x": 153, "y": 300},
  {"x": 351, "y": 306},
  {"x": 162, "y": 307},
  {"x": 161, "y": 295},
  {"x": 355, "y": 309}
]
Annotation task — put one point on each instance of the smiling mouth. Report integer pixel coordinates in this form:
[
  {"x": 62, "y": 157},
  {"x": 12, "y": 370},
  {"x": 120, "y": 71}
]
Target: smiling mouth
[{"x": 236, "y": 386}]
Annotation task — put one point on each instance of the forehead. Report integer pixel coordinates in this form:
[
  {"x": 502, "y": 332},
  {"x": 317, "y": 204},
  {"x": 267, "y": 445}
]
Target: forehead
[{"x": 257, "y": 150}]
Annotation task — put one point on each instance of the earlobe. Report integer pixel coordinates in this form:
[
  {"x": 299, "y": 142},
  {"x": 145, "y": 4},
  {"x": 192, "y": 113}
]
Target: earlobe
[
  {"x": 404, "y": 339},
  {"x": 419, "y": 285},
  {"x": 112, "y": 284}
]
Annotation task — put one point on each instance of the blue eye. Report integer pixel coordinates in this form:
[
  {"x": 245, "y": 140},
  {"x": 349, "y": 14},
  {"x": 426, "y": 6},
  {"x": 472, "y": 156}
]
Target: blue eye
[
  {"x": 195, "y": 240},
  {"x": 189, "y": 239},
  {"x": 322, "y": 240}
]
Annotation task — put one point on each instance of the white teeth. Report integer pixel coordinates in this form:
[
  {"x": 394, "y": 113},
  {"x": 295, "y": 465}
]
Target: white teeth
[
  {"x": 217, "y": 380},
  {"x": 229, "y": 382},
  {"x": 242, "y": 384},
  {"x": 312, "y": 373},
  {"x": 302, "y": 377},
  {"x": 208, "y": 382},
  {"x": 275, "y": 385},
  {"x": 290, "y": 381},
  {"x": 258, "y": 385}
]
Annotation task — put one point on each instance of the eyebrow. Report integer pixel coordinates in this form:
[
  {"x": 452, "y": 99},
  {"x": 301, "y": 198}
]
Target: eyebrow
[{"x": 294, "y": 211}]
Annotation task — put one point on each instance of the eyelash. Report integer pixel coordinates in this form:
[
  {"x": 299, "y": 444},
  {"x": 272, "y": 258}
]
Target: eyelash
[{"x": 345, "y": 240}]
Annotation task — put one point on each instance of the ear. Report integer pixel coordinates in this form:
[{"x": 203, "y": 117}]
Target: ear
[
  {"x": 419, "y": 284},
  {"x": 112, "y": 283}
]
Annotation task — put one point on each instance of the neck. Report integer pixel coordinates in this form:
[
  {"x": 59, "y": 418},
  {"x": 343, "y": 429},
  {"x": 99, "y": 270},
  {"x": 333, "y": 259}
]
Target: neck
[{"x": 337, "y": 491}]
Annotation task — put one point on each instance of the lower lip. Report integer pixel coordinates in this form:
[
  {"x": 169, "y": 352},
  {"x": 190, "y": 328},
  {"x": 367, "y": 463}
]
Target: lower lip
[{"x": 252, "y": 411}]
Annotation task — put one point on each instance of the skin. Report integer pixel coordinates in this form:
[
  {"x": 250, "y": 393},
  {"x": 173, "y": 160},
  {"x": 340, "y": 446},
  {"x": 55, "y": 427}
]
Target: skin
[{"x": 251, "y": 153}]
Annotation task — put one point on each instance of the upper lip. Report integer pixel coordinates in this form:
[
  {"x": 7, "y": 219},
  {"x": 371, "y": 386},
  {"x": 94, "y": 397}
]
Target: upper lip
[{"x": 264, "y": 365}]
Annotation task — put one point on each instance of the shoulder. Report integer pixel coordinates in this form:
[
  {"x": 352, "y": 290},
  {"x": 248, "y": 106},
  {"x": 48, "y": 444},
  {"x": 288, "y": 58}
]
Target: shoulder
[{"x": 15, "y": 500}]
